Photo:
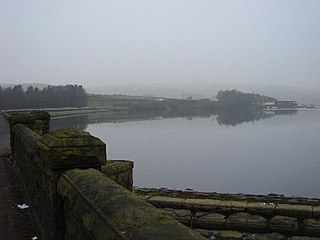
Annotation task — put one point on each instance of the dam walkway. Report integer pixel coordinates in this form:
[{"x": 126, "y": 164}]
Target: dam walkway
[{"x": 15, "y": 223}]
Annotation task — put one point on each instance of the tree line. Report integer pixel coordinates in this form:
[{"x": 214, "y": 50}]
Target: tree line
[
  {"x": 49, "y": 97},
  {"x": 237, "y": 99}
]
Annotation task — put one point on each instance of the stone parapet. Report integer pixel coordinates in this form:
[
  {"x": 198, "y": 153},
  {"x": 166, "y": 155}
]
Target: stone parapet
[
  {"x": 71, "y": 148},
  {"x": 36, "y": 120},
  {"x": 40, "y": 162},
  {"x": 98, "y": 208}
]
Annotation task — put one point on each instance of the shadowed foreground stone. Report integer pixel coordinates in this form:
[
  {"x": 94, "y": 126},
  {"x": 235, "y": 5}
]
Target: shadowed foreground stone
[
  {"x": 98, "y": 208},
  {"x": 40, "y": 162},
  {"x": 209, "y": 220},
  {"x": 311, "y": 226},
  {"x": 230, "y": 235},
  {"x": 246, "y": 221},
  {"x": 284, "y": 224}
]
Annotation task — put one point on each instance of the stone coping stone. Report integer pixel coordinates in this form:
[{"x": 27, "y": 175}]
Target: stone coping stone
[
  {"x": 70, "y": 137},
  {"x": 166, "y": 202},
  {"x": 71, "y": 147},
  {"x": 261, "y": 208},
  {"x": 107, "y": 208},
  {"x": 203, "y": 204},
  {"x": 300, "y": 211},
  {"x": 26, "y": 137},
  {"x": 28, "y": 118},
  {"x": 117, "y": 166},
  {"x": 26, "y": 133},
  {"x": 237, "y": 206},
  {"x": 284, "y": 224}
]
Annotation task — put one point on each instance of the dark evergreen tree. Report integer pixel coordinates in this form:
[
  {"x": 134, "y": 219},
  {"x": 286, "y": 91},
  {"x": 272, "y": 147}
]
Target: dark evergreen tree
[{"x": 51, "y": 96}]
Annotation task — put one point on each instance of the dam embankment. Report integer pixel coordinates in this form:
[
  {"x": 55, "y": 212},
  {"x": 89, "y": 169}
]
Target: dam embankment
[
  {"x": 259, "y": 214},
  {"x": 76, "y": 192}
]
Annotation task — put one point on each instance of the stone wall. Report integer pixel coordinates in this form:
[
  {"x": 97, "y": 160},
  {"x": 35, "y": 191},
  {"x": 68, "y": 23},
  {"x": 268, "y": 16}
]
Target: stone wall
[
  {"x": 120, "y": 171},
  {"x": 38, "y": 121},
  {"x": 96, "y": 207},
  {"x": 69, "y": 196},
  {"x": 238, "y": 212},
  {"x": 40, "y": 161}
]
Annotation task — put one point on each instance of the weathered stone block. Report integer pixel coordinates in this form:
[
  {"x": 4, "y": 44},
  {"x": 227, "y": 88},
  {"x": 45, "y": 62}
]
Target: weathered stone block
[
  {"x": 181, "y": 215},
  {"x": 246, "y": 222},
  {"x": 40, "y": 162},
  {"x": 206, "y": 233},
  {"x": 166, "y": 202},
  {"x": 120, "y": 171},
  {"x": 311, "y": 227},
  {"x": 209, "y": 220},
  {"x": 230, "y": 235},
  {"x": 316, "y": 211},
  {"x": 293, "y": 210},
  {"x": 98, "y": 208},
  {"x": 284, "y": 224},
  {"x": 70, "y": 148},
  {"x": 303, "y": 238},
  {"x": 233, "y": 206},
  {"x": 263, "y": 208},
  {"x": 267, "y": 236},
  {"x": 203, "y": 204},
  {"x": 30, "y": 119}
]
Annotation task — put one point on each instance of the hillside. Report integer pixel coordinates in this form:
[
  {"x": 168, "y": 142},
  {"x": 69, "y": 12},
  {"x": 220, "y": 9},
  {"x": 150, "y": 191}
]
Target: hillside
[{"x": 209, "y": 90}]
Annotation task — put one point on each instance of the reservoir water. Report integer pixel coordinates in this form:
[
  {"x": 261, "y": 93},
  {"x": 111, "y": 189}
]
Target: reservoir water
[{"x": 274, "y": 153}]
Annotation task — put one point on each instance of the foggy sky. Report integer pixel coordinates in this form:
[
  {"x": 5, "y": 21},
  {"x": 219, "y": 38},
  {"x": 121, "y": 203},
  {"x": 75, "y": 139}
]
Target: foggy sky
[{"x": 156, "y": 41}]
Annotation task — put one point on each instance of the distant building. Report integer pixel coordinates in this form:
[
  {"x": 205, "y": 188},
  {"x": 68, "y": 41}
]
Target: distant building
[
  {"x": 280, "y": 104},
  {"x": 286, "y": 104}
]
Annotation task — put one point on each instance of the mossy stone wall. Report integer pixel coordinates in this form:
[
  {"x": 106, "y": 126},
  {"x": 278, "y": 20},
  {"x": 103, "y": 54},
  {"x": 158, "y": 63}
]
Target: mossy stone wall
[
  {"x": 40, "y": 162},
  {"x": 69, "y": 203},
  {"x": 38, "y": 121},
  {"x": 95, "y": 207},
  {"x": 120, "y": 171},
  {"x": 32, "y": 120}
]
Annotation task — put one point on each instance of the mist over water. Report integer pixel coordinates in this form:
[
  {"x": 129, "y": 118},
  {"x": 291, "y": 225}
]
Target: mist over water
[{"x": 278, "y": 154}]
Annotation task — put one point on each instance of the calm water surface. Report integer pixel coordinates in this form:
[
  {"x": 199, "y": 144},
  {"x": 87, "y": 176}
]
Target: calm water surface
[{"x": 280, "y": 154}]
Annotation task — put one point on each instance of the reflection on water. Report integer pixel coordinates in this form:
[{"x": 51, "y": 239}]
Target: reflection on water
[
  {"x": 229, "y": 118},
  {"x": 236, "y": 117},
  {"x": 80, "y": 122},
  {"x": 277, "y": 154}
]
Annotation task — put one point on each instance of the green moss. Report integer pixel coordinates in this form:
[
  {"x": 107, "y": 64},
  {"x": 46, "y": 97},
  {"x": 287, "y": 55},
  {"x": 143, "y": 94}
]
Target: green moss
[
  {"x": 88, "y": 221},
  {"x": 118, "y": 208},
  {"x": 230, "y": 235},
  {"x": 69, "y": 133}
]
